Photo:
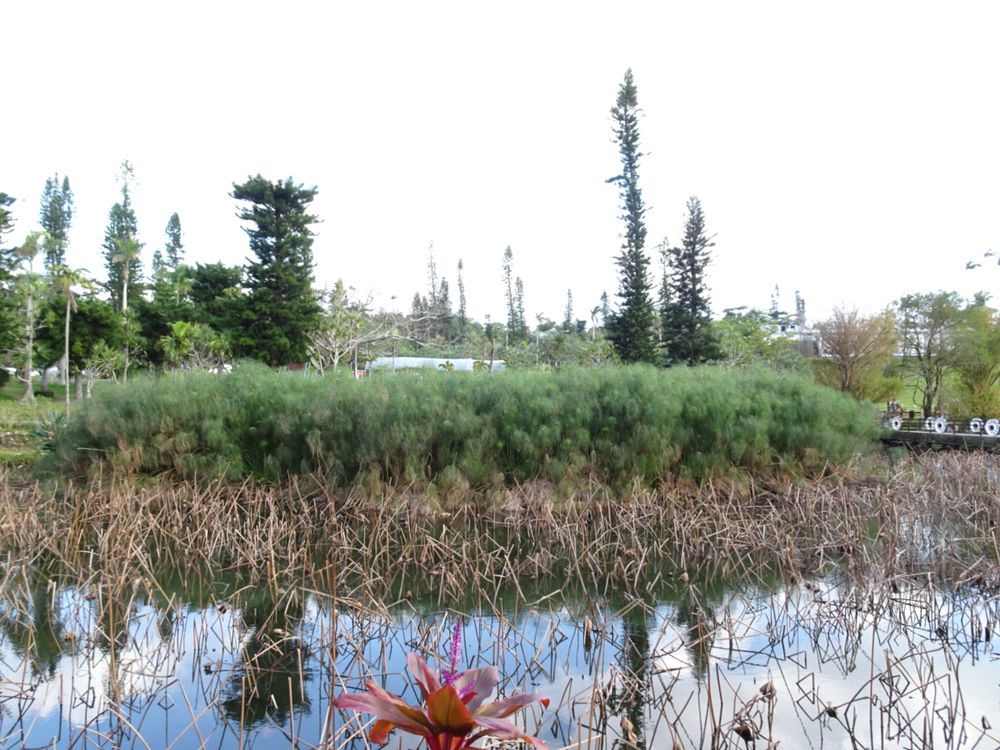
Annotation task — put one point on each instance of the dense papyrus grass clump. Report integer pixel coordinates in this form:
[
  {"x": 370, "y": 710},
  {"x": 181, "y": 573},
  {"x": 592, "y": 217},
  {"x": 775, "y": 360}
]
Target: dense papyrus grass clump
[{"x": 610, "y": 425}]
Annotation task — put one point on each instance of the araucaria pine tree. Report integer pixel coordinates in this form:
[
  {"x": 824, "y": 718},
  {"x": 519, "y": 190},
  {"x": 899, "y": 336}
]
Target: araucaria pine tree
[
  {"x": 8, "y": 268},
  {"x": 281, "y": 307},
  {"x": 513, "y": 290},
  {"x": 630, "y": 328},
  {"x": 173, "y": 254},
  {"x": 688, "y": 335},
  {"x": 461, "y": 302},
  {"x": 121, "y": 233},
  {"x": 56, "y": 216}
]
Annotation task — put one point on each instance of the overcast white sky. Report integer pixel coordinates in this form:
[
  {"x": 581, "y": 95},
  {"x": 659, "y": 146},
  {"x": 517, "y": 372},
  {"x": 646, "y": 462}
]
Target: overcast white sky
[{"x": 847, "y": 150}]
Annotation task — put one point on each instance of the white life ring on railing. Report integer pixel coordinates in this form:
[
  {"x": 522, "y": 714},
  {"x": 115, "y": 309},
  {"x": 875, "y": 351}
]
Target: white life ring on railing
[
  {"x": 929, "y": 424},
  {"x": 992, "y": 427},
  {"x": 940, "y": 425},
  {"x": 896, "y": 423},
  {"x": 976, "y": 425}
]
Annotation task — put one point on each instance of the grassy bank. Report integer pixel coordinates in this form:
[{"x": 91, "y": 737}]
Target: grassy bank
[
  {"x": 25, "y": 425},
  {"x": 611, "y": 426}
]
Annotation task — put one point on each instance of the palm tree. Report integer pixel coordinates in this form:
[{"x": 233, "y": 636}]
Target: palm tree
[
  {"x": 128, "y": 249},
  {"x": 179, "y": 343},
  {"x": 29, "y": 282},
  {"x": 65, "y": 279}
]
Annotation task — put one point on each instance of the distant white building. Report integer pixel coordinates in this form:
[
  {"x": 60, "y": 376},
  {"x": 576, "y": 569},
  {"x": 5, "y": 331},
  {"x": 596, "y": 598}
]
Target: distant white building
[
  {"x": 433, "y": 363},
  {"x": 806, "y": 339}
]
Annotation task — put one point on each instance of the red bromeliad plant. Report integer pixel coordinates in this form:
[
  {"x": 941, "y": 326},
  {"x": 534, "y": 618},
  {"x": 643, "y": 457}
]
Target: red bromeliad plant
[{"x": 454, "y": 714}]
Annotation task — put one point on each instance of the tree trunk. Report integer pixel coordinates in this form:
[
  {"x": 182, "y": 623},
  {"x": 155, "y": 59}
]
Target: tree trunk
[
  {"x": 69, "y": 301},
  {"x": 77, "y": 386},
  {"x": 90, "y": 383},
  {"x": 125, "y": 315},
  {"x": 29, "y": 331}
]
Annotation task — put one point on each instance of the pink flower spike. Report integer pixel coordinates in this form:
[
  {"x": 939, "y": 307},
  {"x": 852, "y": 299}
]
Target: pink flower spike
[{"x": 450, "y": 674}]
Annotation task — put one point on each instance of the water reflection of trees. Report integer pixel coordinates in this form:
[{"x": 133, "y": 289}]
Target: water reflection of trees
[
  {"x": 270, "y": 679},
  {"x": 36, "y": 635},
  {"x": 636, "y": 663},
  {"x": 699, "y": 637}
]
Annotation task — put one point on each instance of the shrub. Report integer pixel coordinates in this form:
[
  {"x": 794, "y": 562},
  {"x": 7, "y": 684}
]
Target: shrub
[{"x": 609, "y": 424}]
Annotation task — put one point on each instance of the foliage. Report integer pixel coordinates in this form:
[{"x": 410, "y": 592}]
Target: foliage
[
  {"x": 462, "y": 313},
  {"x": 631, "y": 327},
  {"x": 6, "y": 217},
  {"x": 170, "y": 303},
  {"x": 858, "y": 350},
  {"x": 927, "y": 326},
  {"x": 64, "y": 280},
  {"x": 126, "y": 256},
  {"x": 455, "y": 714},
  {"x": 748, "y": 339},
  {"x": 192, "y": 345},
  {"x": 216, "y": 296},
  {"x": 342, "y": 329},
  {"x": 281, "y": 307},
  {"x": 8, "y": 264},
  {"x": 105, "y": 360},
  {"x": 173, "y": 254},
  {"x": 56, "y": 217},
  {"x": 977, "y": 366},
  {"x": 93, "y": 321},
  {"x": 556, "y": 349},
  {"x": 513, "y": 291},
  {"x": 431, "y": 316},
  {"x": 686, "y": 317},
  {"x": 611, "y": 425},
  {"x": 30, "y": 288},
  {"x": 121, "y": 249}
]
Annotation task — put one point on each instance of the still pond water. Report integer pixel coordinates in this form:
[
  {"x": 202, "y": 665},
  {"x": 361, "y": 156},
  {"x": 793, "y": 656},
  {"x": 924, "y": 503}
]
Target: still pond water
[{"x": 817, "y": 664}]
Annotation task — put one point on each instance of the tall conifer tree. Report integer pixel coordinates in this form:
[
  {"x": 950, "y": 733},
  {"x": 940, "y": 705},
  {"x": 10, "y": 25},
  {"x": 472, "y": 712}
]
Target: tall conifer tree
[
  {"x": 508, "y": 291},
  {"x": 461, "y": 301},
  {"x": 56, "y": 216},
  {"x": 121, "y": 232},
  {"x": 631, "y": 327},
  {"x": 281, "y": 307},
  {"x": 689, "y": 337},
  {"x": 173, "y": 251},
  {"x": 521, "y": 322},
  {"x": 175, "y": 246},
  {"x": 8, "y": 264}
]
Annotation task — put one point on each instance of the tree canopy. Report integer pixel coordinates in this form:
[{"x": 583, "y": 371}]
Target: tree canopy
[
  {"x": 630, "y": 328},
  {"x": 686, "y": 316},
  {"x": 56, "y": 216},
  {"x": 281, "y": 307}
]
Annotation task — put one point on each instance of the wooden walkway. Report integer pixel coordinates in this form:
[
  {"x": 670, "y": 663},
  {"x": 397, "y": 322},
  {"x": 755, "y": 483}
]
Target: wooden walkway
[{"x": 922, "y": 440}]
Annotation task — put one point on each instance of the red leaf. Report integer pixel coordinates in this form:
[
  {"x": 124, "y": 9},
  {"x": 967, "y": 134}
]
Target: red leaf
[{"x": 447, "y": 712}]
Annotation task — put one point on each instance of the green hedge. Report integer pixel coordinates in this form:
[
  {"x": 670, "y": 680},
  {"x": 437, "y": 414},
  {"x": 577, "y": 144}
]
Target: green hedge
[{"x": 611, "y": 424}]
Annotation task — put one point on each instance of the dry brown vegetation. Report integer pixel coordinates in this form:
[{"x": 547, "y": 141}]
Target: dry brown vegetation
[{"x": 940, "y": 512}]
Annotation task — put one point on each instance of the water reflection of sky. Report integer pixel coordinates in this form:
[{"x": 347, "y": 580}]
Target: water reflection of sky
[{"x": 849, "y": 668}]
